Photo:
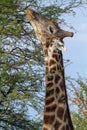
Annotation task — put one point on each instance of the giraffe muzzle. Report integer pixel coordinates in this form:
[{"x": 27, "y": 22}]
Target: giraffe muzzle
[{"x": 62, "y": 34}]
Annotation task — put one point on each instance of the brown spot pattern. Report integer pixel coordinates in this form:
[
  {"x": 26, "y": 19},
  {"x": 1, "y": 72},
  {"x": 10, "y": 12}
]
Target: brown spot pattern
[
  {"x": 60, "y": 112},
  {"x": 57, "y": 93},
  {"x": 45, "y": 129},
  {"x": 57, "y": 125},
  {"x": 50, "y": 100},
  {"x": 46, "y": 52},
  {"x": 64, "y": 128},
  {"x": 55, "y": 51},
  {"x": 59, "y": 68},
  {"x": 65, "y": 116},
  {"x": 47, "y": 44},
  {"x": 49, "y": 84},
  {"x": 49, "y": 93},
  {"x": 57, "y": 78},
  {"x": 52, "y": 62},
  {"x": 49, "y": 77},
  {"x": 46, "y": 69},
  {"x": 48, "y": 119},
  {"x": 62, "y": 86},
  {"x": 46, "y": 62},
  {"x": 57, "y": 90},
  {"x": 51, "y": 108},
  {"x": 62, "y": 98},
  {"x": 53, "y": 69},
  {"x": 55, "y": 56},
  {"x": 67, "y": 127}
]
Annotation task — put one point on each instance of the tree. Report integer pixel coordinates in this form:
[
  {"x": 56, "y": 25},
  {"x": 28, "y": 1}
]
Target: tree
[
  {"x": 19, "y": 78},
  {"x": 79, "y": 102},
  {"x": 21, "y": 61}
]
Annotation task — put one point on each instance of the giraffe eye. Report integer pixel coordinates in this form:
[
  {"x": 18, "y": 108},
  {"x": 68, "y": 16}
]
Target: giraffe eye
[{"x": 51, "y": 29}]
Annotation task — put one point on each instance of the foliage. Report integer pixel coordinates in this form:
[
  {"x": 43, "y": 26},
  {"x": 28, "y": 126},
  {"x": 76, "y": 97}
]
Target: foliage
[
  {"x": 21, "y": 62},
  {"x": 79, "y": 102}
]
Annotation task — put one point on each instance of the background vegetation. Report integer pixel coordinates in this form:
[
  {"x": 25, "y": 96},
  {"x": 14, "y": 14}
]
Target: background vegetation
[{"x": 22, "y": 66}]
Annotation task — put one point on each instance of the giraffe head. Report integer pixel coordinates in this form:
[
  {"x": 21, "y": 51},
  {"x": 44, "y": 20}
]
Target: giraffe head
[{"x": 46, "y": 30}]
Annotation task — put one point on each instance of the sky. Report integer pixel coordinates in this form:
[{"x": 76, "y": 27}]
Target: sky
[{"x": 77, "y": 45}]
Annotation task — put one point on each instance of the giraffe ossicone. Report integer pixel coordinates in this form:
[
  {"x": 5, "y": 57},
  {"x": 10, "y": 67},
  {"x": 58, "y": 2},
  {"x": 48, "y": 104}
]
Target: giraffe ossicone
[{"x": 56, "y": 109}]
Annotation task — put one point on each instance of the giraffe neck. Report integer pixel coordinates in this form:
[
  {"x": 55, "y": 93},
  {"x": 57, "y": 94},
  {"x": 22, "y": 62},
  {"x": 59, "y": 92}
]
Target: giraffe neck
[{"x": 56, "y": 111}]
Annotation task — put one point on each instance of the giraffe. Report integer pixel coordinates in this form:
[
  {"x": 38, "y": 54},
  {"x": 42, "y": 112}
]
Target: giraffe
[{"x": 56, "y": 109}]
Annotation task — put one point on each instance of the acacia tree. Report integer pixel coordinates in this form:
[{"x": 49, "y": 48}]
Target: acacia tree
[
  {"x": 79, "y": 102},
  {"x": 21, "y": 61}
]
